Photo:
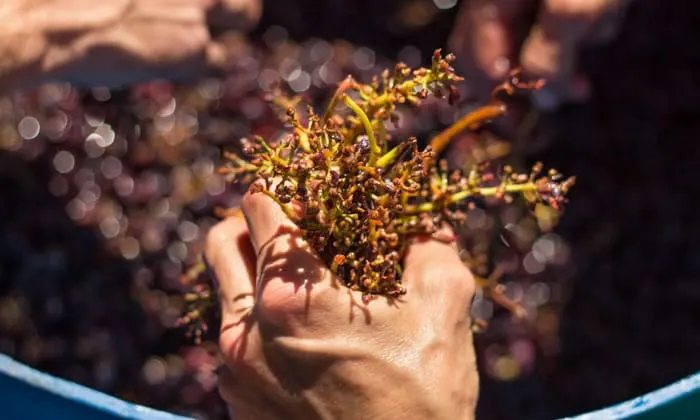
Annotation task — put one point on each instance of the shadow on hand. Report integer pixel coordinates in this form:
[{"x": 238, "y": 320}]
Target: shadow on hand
[{"x": 289, "y": 258}]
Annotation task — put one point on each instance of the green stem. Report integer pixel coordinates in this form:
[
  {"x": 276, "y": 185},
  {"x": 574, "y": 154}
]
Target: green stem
[
  {"x": 489, "y": 191},
  {"x": 464, "y": 194},
  {"x": 346, "y": 84},
  {"x": 374, "y": 149},
  {"x": 469, "y": 121},
  {"x": 385, "y": 98},
  {"x": 390, "y": 156}
]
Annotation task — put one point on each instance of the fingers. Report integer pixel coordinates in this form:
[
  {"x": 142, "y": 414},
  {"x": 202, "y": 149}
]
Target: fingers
[
  {"x": 551, "y": 49},
  {"x": 484, "y": 39},
  {"x": 266, "y": 220},
  {"x": 230, "y": 256},
  {"x": 434, "y": 270},
  {"x": 293, "y": 281},
  {"x": 487, "y": 34}
]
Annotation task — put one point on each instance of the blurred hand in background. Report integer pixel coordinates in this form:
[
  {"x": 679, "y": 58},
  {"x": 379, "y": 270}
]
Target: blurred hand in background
[
  {"x": 491, "y": 37},
  {"x": 117, "y": 42}
]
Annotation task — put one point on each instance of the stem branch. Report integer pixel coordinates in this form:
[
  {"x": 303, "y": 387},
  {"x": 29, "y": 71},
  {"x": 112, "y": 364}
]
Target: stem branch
[
  {"x": 464, "y": 194},
  {"x": 469, "y": 121},
  {"x": 374, "y": 149}
]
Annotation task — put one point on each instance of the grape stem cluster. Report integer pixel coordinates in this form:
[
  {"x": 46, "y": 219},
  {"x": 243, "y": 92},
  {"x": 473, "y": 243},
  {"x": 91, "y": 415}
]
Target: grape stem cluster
[{"x": 358, "y": 195}]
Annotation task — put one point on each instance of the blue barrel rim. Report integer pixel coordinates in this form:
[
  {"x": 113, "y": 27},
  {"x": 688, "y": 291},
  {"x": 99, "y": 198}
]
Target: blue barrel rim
[{"x": 122, "y": 409}]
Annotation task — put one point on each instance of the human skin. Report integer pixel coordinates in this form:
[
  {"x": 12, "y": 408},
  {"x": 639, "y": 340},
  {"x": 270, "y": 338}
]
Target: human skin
[
  {"x": 310, "y": 349},
  {"x": 490, "y": 37},
  {"x": 120, "y": 42},
  {"x": 116, "y": 42}
]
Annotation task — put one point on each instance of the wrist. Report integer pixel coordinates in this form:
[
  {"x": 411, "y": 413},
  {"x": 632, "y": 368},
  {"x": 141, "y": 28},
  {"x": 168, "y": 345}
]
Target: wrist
[{"x": 378, "y": 388}]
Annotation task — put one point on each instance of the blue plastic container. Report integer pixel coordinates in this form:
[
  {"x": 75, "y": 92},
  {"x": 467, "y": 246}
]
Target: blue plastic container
[{"x": 27, "y": 394}]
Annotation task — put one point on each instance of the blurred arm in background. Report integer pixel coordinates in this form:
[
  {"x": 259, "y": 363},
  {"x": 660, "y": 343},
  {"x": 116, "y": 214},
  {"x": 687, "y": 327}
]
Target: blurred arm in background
[
  {"x": 116, "y": 42},
  {"x": 542, "y": 37}
]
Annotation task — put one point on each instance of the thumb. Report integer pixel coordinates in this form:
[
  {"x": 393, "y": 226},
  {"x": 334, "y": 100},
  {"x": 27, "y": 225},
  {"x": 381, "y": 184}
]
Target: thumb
[
  {"x": 553, "y": 57},
  {"x": 292, "y": 280},
  {"x": 231, "y": 259},
  {"x": 267, "y": 221},
  {"x": 484, "y": 39},
  {"x": 551, "y": 49}
]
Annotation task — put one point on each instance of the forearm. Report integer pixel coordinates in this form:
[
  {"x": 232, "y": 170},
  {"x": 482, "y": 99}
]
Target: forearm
[{"x": 39, "y": 38}]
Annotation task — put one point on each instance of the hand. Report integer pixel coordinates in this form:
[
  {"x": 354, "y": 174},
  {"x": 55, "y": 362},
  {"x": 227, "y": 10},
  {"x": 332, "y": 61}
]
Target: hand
[
  {"x": 309, "y": 348},
  {"x": 493, "y": 36},
  {"x": 121, "y": 42}
]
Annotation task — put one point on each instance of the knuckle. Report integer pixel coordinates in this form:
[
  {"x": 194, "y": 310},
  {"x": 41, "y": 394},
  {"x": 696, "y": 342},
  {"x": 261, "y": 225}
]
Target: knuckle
[
  {"x": 237, "y": 347},
  {"x": 250, "y": 202},
  {"x": 282, "y": 298},
  {"x": 230, "y": 345},
  {"x": 214, "y": 239},
  {"x": 221, "y": 233},
  {"x": 453, "y": 279}
]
